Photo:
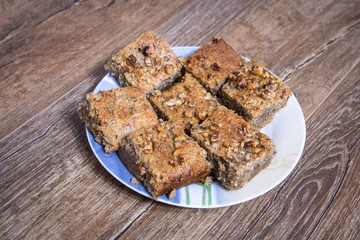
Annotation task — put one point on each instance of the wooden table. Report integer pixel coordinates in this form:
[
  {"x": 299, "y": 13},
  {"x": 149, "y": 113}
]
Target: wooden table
[{"x": 52, "y": 53}]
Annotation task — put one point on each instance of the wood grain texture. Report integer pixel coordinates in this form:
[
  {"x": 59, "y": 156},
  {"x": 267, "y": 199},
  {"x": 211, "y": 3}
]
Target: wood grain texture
[
  {"x": 66, "y": 184},
  {"x": 22, "y": 15},
  {"x": 52, "y": 54},
  {"x": 310, "y": 191},
  {"x": 331, "y": 225},
  {"x": 35, "y": 56}
]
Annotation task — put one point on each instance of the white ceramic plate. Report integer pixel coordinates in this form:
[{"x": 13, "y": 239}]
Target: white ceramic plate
[{"x": 287, "y": 131}]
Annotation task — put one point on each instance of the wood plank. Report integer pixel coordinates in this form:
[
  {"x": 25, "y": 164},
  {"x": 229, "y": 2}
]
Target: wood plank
[
  {"x": 310, "y": 190},
  {"x": 22, "y": 15},
  {"x": 54, "y": 184},
  {"x": 289, "y": 31},
  {"x": 341, "y": 221},
  {"x": 184, "y": 223},
  {"x": 31, "y": 60}
]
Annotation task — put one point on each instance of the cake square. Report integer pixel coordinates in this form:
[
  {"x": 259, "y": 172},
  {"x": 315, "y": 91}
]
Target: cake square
[
  {"x": 212, "y": 64},
  {"x": 236, "y": 150},
  {"x": 185, "y": 103},
  {"x": 110, "y": 115},
  {"x": 164, "y": 158},
  {"x": 147, "y": 62},
  {"x": 255, "y": 93}
]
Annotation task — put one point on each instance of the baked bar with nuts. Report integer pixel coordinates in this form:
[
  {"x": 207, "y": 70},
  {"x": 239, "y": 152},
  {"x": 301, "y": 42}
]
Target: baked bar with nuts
[
  {"x": 147, "y": 62},
  {"x": 164, "y": 158},
  {"x": 185, "y": 103},
  {"x": 212, "y": 64},
  {"x": 255, "y": 93},
  {"x": 236, "y": 150},
  {"x": 110, "y": 115}
]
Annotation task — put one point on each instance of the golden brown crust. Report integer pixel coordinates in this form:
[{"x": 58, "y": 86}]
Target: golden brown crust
[
  {"x": 236, "y": 149},
  {"x": 110, "y": 115},
  {"x": 164, "y": 158},
  {"x": 186, "y": 102},
  {"x": 255, "y": 93},
  {"x": 212, "y": 64},
  {"x": 147, "y": 62}
]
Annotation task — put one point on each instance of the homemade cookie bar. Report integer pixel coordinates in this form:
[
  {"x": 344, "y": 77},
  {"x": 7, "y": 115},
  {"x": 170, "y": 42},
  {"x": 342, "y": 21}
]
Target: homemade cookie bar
[
  {"x": 147, "y": 63},
  {"x": 255, "y": 93},
  {"x": 212, "y": 64},
  {"x": 110, "y": 115},
  {"x": 236, "y": 150},
  {"x": 164, "y": 158},
  {"x": 185, "y": 103}
]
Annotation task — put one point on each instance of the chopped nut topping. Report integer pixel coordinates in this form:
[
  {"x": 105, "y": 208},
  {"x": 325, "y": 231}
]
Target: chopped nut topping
[
  {"x": 173, "y": 102},
  {"x": 260, "y": 83},
  {"x": 266, "y": 94},
  {"x": 230, "y": 144},
  {"x": 172, "y": 163},
  {"x": 262, "y": 139},
  {"x": 257, "y": 150},
  {"x": 181, "y": 159},
  {"x": 149, "y": 147},
  {"x": 162, "y": 134},
  {"x": 263, "y": 82},
  {"x": 178, "y": 144},
  {"x": 208, "y": 96},
  {"x": 134, "y": 181},
  {"x": 208, "y": 180},
  {"x": 177, "y": 152},
  {"x": 241, "y": 82},
  {"x": 141, "y": 140},
  {"x": 182, "y": 95},
  {"x": 131, "y": 60},
  {"x": 251, "y": 143},
  {"x": 142, "y": 170},
  {"x": 181, "y": 59},
  {"x": 169, "y": 69},
  {"x": 215, "y": 67},
  {"x": 214, "y": 137},
  {"x": 172, "y": 194},
  {"x": 250, "y": 86},
  {"x": 205, "y": 134},
  {"x": 258, "y": 70},
  {"x": 156, "y": 92},
  {"x": 180, "y": 138},
  {"x": 148, "y": 61},
  {"x": 179, "y": 102},
  {"x": 188, "y": 114},
  {"x": 213, "y": 128},
  {"x": 144, "y": 51},
  {"x": 202, "y": 115}
]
